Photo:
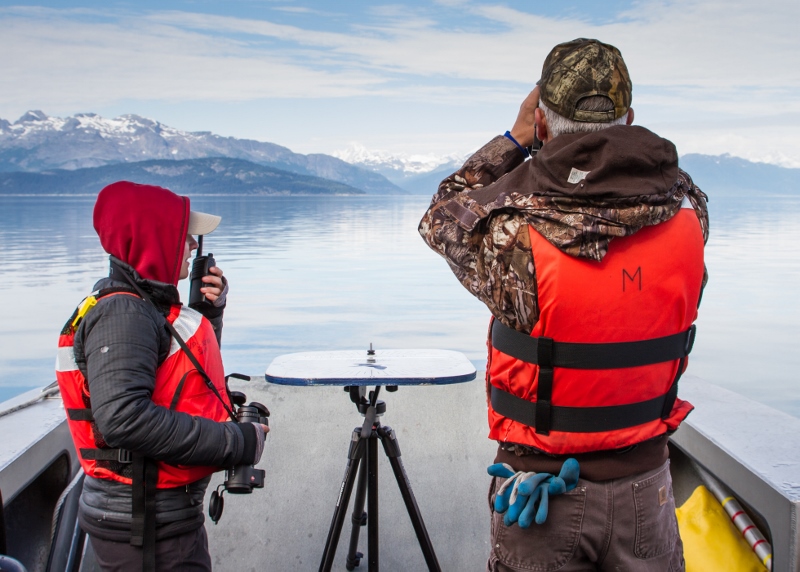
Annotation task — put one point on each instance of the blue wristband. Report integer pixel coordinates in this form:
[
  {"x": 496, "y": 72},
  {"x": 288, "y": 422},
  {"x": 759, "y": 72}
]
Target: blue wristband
[{"x": 524, "y": 151}]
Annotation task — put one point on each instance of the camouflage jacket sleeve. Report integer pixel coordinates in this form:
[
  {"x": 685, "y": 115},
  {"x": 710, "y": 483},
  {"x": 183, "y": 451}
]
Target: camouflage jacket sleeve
[
  {"x": 493, "y": 261},
  {"x": 699, "y": 202}
]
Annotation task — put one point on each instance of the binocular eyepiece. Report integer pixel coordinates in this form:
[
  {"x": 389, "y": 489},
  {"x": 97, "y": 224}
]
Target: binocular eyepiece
[{"x": 240, "y": 479}]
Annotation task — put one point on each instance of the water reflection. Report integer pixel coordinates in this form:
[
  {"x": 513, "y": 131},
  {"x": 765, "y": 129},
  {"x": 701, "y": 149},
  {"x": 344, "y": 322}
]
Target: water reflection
[
  {"x": 314, "y": 273},
  {"x": 749, "y": 315}
]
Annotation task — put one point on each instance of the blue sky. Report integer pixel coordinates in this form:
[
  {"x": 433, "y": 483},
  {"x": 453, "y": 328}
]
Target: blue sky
[{"x": 405, "y": 77}]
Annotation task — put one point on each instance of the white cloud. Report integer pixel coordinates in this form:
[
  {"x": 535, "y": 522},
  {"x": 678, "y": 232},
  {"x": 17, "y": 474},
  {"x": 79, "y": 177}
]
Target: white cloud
[
  {"x": 60, "y": 62},
  {"x": 708, "y": 61}
]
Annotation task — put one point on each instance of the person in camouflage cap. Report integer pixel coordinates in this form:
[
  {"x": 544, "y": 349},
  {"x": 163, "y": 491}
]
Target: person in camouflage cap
[{"x": 531, "y": 234}]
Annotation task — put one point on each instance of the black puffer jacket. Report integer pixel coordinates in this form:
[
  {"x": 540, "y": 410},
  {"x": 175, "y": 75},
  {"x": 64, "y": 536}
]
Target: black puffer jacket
[{"x": 118, "y": 348}]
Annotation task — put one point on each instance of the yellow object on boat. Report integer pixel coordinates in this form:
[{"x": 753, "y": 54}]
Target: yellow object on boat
[{"x": 711, "y": 542}]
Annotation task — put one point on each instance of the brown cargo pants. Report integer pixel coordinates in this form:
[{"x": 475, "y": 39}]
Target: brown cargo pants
[{"x": 619, "y": 525}]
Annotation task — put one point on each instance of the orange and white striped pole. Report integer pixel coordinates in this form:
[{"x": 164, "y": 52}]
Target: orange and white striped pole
[{"x": 751, "y": 533}]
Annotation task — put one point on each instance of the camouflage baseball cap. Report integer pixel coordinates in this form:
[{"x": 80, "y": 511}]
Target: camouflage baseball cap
[{"x": 582, "y": 68}]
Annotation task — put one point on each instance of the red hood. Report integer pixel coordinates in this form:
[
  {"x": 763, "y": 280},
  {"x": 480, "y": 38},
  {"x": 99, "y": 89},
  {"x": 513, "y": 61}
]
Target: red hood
[{"x": 144, "y": 226}]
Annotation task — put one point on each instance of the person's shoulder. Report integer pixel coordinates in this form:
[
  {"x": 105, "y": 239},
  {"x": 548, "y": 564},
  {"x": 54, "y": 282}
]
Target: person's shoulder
[{"x": 116, "y": 304}]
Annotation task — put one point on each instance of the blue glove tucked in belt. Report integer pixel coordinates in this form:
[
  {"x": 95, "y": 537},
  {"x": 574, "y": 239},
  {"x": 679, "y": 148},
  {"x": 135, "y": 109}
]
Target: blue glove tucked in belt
[{"x": 522, "y": 493}]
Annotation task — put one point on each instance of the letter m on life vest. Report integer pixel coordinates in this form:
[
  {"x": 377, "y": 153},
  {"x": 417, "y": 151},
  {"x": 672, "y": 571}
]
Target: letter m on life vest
[{"x": 634, "y": 279}]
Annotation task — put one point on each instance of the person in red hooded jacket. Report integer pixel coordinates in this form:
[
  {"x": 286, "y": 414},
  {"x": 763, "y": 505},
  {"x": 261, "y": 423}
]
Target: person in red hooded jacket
[{"x": 141, "y": 394}]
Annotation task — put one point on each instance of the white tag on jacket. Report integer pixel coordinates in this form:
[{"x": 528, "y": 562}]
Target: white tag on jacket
[{"x": 576, "y": 176}]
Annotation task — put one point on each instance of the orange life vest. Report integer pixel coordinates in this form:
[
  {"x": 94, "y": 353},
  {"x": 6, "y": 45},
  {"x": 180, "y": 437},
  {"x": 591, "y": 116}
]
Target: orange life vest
[
  {"x": 178, "y": 387},
  {"x": 599, "y": 370}
]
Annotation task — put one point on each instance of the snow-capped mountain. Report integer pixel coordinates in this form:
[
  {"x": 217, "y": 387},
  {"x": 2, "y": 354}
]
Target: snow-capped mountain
[
  {"x": 37, "y": 142},
  {"x": 407, "y": 165},
  {"x": 415, "y": 173}
]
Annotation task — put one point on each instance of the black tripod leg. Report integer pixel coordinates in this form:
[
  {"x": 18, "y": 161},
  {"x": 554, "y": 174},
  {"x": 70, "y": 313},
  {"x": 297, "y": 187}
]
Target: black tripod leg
[
  {"x": 359, "y": 519},
  {"x": 372, "y": 502},
  {"x": 392, "y": 449},
  {"x": 354, "y": 456}
]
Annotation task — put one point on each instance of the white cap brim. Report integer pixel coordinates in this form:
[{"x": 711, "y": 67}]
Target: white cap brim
[{"x": 202, "y": 223}]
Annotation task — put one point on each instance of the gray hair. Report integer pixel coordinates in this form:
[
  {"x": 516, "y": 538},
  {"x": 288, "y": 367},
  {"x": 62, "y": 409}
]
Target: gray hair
[{"x": 558, "y": 124}]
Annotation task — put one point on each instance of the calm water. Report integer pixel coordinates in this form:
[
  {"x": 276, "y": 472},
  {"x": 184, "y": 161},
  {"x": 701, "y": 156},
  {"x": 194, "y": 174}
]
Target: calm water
[{"x": 338, "y": 273}]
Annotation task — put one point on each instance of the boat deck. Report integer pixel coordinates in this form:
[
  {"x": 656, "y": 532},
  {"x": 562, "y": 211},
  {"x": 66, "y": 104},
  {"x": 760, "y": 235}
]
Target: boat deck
[{"x": 441, "y": 431}]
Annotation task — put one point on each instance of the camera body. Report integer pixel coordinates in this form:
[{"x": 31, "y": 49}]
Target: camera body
[
  {"x": 242, "y": 479},
  {"x": 200, "y": 268}
]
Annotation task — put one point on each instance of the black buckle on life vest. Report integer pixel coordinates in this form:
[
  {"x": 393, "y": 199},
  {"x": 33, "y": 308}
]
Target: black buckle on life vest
[
  {"x": 691, "y": 334},
  {"x": 119, "y": 455}
]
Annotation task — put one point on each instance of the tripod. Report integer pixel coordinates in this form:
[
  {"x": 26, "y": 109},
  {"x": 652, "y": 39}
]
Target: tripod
[{"x": 362, "y": 458}]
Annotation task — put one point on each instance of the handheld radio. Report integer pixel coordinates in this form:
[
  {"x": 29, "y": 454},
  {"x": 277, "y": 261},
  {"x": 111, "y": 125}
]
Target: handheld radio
[{"x": 200, "y": 268}]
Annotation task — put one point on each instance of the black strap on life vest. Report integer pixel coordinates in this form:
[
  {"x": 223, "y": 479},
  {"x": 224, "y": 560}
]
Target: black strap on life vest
[
  {"x": 117, "y": 455},
  {"x": 549, "y": 354},
  {"x": 106, "y": 454},
  {"x": 143, "y": 513},
  {"x": 84, "y": 414},
  {"x": 114, "y": 290}
]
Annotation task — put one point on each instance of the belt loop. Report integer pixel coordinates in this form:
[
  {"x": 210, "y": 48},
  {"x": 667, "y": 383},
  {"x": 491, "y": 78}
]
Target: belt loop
[{"x": 544, "y": 392}]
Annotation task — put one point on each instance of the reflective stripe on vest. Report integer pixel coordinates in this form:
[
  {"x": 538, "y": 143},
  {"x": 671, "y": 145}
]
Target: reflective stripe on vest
[
  {"x": 65, "y": 359},
  {"x": 186, "y": 324},
  {"x": 646, "y": 287},
  {"x": 195, "y": 397}
]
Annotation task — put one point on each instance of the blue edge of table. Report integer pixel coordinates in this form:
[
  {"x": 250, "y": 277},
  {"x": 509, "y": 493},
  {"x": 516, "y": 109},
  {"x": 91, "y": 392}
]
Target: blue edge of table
[{"x": 460, "y": 373}]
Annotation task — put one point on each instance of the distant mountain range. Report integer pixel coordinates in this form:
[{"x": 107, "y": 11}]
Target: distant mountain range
[
  {"x": 37, "y": 142},
  {"x": 724, "y": 173},
  {"x": 40, "y": 154},
  {"x": 217, "y": 175}
]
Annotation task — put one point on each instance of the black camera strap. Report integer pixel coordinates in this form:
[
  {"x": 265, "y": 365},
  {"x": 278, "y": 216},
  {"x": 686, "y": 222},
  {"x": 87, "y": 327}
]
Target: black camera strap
[{"x": 174, "y": 333}]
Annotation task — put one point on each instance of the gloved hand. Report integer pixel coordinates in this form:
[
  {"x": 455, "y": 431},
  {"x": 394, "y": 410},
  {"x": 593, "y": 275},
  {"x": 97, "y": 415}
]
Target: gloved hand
[{"x": 524, "y": 496}]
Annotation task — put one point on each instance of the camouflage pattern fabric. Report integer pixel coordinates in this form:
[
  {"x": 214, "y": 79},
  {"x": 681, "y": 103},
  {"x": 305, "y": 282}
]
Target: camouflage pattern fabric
[
  {"x": 487, "y": 244},
  {"x": 582, "y": 68}
]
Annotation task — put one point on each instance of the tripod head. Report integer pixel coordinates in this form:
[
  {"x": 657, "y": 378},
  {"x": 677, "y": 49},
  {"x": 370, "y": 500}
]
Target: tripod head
[{"x": 358, "y": 395}]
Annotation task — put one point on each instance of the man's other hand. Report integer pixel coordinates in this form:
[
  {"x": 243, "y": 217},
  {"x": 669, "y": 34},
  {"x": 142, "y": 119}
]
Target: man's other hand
[{"x": 524, "y": 128}]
